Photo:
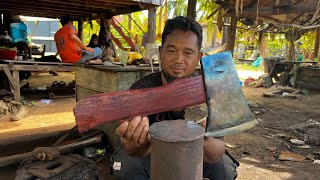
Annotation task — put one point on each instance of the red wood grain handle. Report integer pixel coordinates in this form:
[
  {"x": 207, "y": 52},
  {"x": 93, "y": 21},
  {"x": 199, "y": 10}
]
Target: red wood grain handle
[{"x": 106, "y": 107}]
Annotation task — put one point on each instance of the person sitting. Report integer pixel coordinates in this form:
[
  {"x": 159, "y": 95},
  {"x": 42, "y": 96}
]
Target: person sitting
[
  {"x": 70, "y": 47},
  {"x": 108, "y": 53},
  {"x": 94, "y": 41},
  {"x": 20, "y": 36},
  {"x": 258, "y": 61}
]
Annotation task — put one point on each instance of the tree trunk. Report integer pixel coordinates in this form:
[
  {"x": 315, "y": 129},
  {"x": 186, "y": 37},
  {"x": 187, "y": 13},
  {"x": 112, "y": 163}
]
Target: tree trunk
[
  {"x": 232, "y": 34},
  {"x": 316, "y": 43},
  {"x": 262, "y": 45},
  {"x": 291, "y": 56},
  {"x": 192, "y": 9}
]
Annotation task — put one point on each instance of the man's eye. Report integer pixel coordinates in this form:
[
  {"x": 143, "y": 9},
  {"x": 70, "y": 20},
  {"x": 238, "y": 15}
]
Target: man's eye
[
  {"x": 188, "y": 53},
  {"x": 171, "y": 51}
]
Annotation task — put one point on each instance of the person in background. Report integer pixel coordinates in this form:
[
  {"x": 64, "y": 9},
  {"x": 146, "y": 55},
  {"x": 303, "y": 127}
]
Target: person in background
[
  {"x": 70, "y": 47},
  {"x": 20, "y": 35},
  {"x": 108, "y": 53},
  {"x": 94, "y": 41}
]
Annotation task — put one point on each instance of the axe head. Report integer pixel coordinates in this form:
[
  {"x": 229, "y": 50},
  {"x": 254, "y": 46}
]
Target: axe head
[{"x": 228, "y": 111}]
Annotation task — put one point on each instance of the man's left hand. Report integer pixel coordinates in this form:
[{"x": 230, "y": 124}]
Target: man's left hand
[{"x": 213, "y": 148}]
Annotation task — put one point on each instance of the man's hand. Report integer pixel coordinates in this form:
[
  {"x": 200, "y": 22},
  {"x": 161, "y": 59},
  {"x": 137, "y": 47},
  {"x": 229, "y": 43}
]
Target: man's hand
[
  {"x": 135, "y": 136},
  {"x": 213, "y": 148},
  {"x": 90, "y": 49}
]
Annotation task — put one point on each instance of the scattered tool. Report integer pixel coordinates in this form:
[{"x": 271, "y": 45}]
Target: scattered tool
[{"x": 47, "y": 153}]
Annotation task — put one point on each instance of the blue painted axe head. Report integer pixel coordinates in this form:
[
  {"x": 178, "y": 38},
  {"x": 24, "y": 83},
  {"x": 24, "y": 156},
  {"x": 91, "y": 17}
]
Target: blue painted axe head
[{"x": 228, "y": 111}]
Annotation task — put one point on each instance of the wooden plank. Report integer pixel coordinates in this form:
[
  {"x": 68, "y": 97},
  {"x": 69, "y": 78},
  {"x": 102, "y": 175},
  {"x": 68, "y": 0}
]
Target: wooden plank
[
  {"x": 42, "y": 68},
  {"x": 102, "y": 108},
  {"x": 28, "y": 62},
  {"x": 97, "y": 80}
]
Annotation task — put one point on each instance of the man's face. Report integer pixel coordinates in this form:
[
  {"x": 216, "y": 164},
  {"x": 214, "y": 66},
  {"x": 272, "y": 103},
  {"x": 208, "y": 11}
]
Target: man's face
[{"x": 179, "y": 55}]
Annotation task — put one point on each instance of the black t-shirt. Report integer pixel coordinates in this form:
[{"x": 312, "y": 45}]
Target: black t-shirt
[{"x": 154, "y": 80}]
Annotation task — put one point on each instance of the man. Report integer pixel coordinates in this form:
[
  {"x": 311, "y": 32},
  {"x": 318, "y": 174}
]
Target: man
[
  {"x": 70, "y": 48},
  {"x": 179, "y": 55}
]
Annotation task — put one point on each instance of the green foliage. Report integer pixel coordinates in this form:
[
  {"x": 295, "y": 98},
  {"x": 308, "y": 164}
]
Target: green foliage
[
  {"x": 308, "y": 41},
  {"x": 248, "y": 67}
]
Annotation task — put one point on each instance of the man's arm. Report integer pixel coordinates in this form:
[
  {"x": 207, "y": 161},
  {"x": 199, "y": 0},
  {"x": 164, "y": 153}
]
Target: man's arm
[
  {"x": 79, "y": 43},
  {"x": 135, "y": 137}
]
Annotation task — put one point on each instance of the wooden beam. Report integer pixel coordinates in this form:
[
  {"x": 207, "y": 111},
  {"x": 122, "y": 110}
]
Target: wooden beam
[
  {"x": 41, "y": 68},
  {"x": 91, "y": 3},
  {"x": 42, "y": 9},
  {"x": 10, "y": 77},
  {"x": 278, "y": 10},
  {"x": 213, "y": 13}
]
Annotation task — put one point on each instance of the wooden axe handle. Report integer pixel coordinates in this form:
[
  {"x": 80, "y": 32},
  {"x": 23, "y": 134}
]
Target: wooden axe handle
[{"x": 106, "y": 107}]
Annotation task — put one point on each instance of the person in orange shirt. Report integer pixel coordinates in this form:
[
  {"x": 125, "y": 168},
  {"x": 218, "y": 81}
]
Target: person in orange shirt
[{"x": 70, "y": 47}]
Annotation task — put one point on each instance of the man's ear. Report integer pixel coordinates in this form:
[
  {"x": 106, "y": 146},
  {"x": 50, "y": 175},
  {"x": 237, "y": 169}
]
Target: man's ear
[
  {"x": 160, "y": 51},
  {"x": 200, "y": 55}
]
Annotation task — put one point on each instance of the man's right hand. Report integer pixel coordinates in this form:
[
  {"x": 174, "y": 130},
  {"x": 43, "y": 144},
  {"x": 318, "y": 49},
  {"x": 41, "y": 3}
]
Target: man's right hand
[
  {"x": 135, "y": 136},
  {"x": 90, "y": 49}
]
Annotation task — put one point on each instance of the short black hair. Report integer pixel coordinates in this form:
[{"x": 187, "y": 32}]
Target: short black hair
[
  {"x": 184, "y": 24},
  {"x": 65, "y": 20}
]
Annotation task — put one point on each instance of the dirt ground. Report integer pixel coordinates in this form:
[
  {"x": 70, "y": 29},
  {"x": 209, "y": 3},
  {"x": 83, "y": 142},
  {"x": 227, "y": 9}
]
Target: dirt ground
[{"x": 280, "y": 120}]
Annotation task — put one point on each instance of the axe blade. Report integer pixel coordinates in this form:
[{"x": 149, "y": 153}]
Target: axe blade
[{"x": 228, "y": 110}]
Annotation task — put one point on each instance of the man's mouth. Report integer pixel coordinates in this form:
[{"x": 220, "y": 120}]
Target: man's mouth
[{"x": 177, "y": 69}]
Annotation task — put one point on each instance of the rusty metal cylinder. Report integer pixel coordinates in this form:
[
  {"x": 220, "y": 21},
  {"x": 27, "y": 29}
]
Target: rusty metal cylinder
[{"x": 176, "y": 150}]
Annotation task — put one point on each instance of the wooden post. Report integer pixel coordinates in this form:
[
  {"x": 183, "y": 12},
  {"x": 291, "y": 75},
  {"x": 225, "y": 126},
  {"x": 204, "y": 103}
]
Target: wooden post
[
  {"x": 16, "y": 87},
  {"x": 232, "y": 34},
  {"x": 192, "y": 9},
  {"x": 80, "y": 30},
  {"x": 152, "y": 25},
  {"x": 225, "y": 31},
  {"x": 316, "y": 43}
]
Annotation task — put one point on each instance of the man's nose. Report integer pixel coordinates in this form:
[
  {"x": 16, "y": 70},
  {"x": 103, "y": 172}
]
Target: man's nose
[{"x": 179, "y": 58}]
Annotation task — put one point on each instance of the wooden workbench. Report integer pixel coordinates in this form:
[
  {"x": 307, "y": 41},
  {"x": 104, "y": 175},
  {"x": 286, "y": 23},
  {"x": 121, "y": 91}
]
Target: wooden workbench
[
  {"x": 93, "y": 79},
  {"x": 12, "y": 68}
]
